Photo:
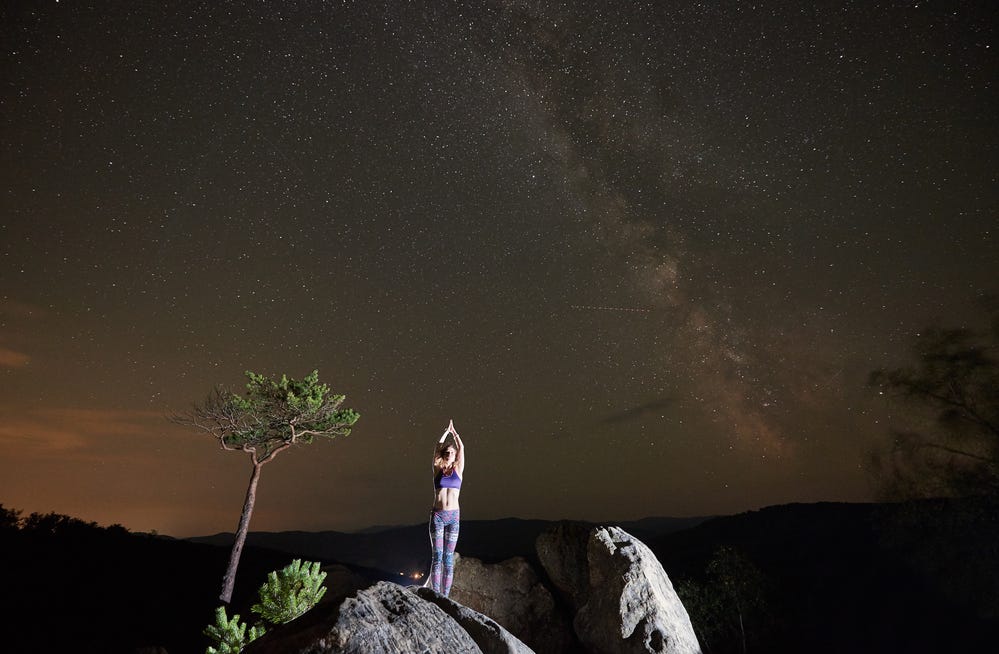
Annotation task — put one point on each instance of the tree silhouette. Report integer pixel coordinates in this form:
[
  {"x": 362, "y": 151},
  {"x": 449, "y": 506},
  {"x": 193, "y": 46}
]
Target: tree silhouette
[
  {"x": 956, "y": 378},
  {"x": 10, "y": 519},
  {"x": 730, "y": 599},
  {"x": 272, "y": 416}
]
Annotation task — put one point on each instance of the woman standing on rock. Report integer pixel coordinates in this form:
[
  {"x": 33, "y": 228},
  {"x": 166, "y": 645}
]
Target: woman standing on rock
[{"x": 449, "y": 468}]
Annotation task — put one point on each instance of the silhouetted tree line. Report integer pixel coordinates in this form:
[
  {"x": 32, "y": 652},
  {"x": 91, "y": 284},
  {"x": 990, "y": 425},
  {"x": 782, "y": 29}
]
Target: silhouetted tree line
[
  {"x": 728, "y": 605},
  {"x": 836, "y": 577},
  {"x": 53, "y": 524},
  {"x": 73, "y": 585}
]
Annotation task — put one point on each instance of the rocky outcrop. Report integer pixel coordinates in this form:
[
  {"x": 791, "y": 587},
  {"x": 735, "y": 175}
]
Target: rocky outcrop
[
  {"x": 511, "y": 593},
  {"x": 389, "y": 618},
  {"x": 625, "y": 602},
  {"x": 612, "y": 595},
  {"x": 487, "y": 634},
  {"x": 618, "y": 596},
  {"x": 562, "y": 551}
]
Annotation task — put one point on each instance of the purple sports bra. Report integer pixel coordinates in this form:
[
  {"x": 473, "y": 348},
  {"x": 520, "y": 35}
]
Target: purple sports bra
[{"x": 447, "y": 481}]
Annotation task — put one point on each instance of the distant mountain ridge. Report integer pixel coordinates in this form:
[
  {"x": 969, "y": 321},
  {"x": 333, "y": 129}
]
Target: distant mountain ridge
[{"x": 406, "y": 549}]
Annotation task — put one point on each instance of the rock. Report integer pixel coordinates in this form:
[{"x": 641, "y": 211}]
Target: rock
[
  {"x": 341, "y": 581},
  {"x": 511, "y": 594},
  {"x": 389, "y": 618},
  {"x": 563, "y": 554},
  {"x": 621, "y": 598},
  {"x": 631, "y": 605},
  {"x": 487, "y": 634},
  {"x": 383, "y": 618}
]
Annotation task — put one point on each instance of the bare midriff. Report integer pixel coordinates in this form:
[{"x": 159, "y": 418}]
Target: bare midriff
[{"x": 446, "y": 499}]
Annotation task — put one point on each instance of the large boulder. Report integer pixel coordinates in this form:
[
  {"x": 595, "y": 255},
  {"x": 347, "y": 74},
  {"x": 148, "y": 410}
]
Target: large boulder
[
  {"x": 625, "y": 601},
  {"x": 511, "y": 593},
  {"x": 563, "y": 554},
  {"x": 632, "y": 606},
  {"x": 388, "y": 618}
]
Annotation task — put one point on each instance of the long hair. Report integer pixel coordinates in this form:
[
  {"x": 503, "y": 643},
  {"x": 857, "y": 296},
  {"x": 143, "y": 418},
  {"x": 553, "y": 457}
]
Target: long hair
[{"x": 441, "y": 447}]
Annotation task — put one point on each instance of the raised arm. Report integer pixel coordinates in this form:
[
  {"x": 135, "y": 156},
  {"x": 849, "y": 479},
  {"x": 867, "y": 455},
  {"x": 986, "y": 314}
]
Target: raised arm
[
  {"x": 459, "y": 458},
  {"x": 440, "y": 442},
  {"x": 437, "y": 446}
]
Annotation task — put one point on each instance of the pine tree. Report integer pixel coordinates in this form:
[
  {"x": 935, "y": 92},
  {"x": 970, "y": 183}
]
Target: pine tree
[
  {"x": 230, "y": 636},
  {"x": 273, "y": 415},
  {"x": 290, "y": 592}
]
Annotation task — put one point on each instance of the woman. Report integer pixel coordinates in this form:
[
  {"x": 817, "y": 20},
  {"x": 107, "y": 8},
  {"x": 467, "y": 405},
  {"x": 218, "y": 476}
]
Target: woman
[{"x": 449, "y": 468}]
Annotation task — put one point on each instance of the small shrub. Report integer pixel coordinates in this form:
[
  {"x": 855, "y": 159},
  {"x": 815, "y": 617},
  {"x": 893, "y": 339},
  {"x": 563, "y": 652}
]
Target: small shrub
[
  {"x": 230, "y": 636},
  {"x": 290, "y": 592}
]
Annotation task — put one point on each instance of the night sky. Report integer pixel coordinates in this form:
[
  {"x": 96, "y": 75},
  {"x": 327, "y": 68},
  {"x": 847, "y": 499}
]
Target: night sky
[{"x": 644, "y": 254}]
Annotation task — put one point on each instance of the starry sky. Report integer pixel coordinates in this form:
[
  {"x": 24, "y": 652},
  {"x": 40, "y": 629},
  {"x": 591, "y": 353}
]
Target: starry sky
[{"x": 644, "y": 254}]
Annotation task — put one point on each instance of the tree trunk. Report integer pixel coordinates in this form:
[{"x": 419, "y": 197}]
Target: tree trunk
[
  {"x": 742, "y": 630},
  {"x": 244, "y": 526}
]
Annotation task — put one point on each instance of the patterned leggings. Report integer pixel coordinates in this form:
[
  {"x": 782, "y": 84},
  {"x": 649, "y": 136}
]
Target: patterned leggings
[{"x": 443, "y": 538}]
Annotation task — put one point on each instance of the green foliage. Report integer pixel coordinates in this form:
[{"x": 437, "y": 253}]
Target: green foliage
[
  {"x": 955, "y": 450},
  {"x": 230, "y": 636},
  {"x": 287, "y": 594},
  {"x": 277, "y": 411},
  {"x": 729, "y": 603},
  {"x": 290, "y": 592}
]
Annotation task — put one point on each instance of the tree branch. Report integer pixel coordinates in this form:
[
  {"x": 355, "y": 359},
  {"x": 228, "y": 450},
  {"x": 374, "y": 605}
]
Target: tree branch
[
  {"x": 951, "y": 450},
  {"x": 273, "y": 453}
]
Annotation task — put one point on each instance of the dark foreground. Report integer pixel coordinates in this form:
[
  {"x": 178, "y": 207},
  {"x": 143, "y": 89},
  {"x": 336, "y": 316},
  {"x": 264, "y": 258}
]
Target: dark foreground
[{"x": 920, "y": 577}]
